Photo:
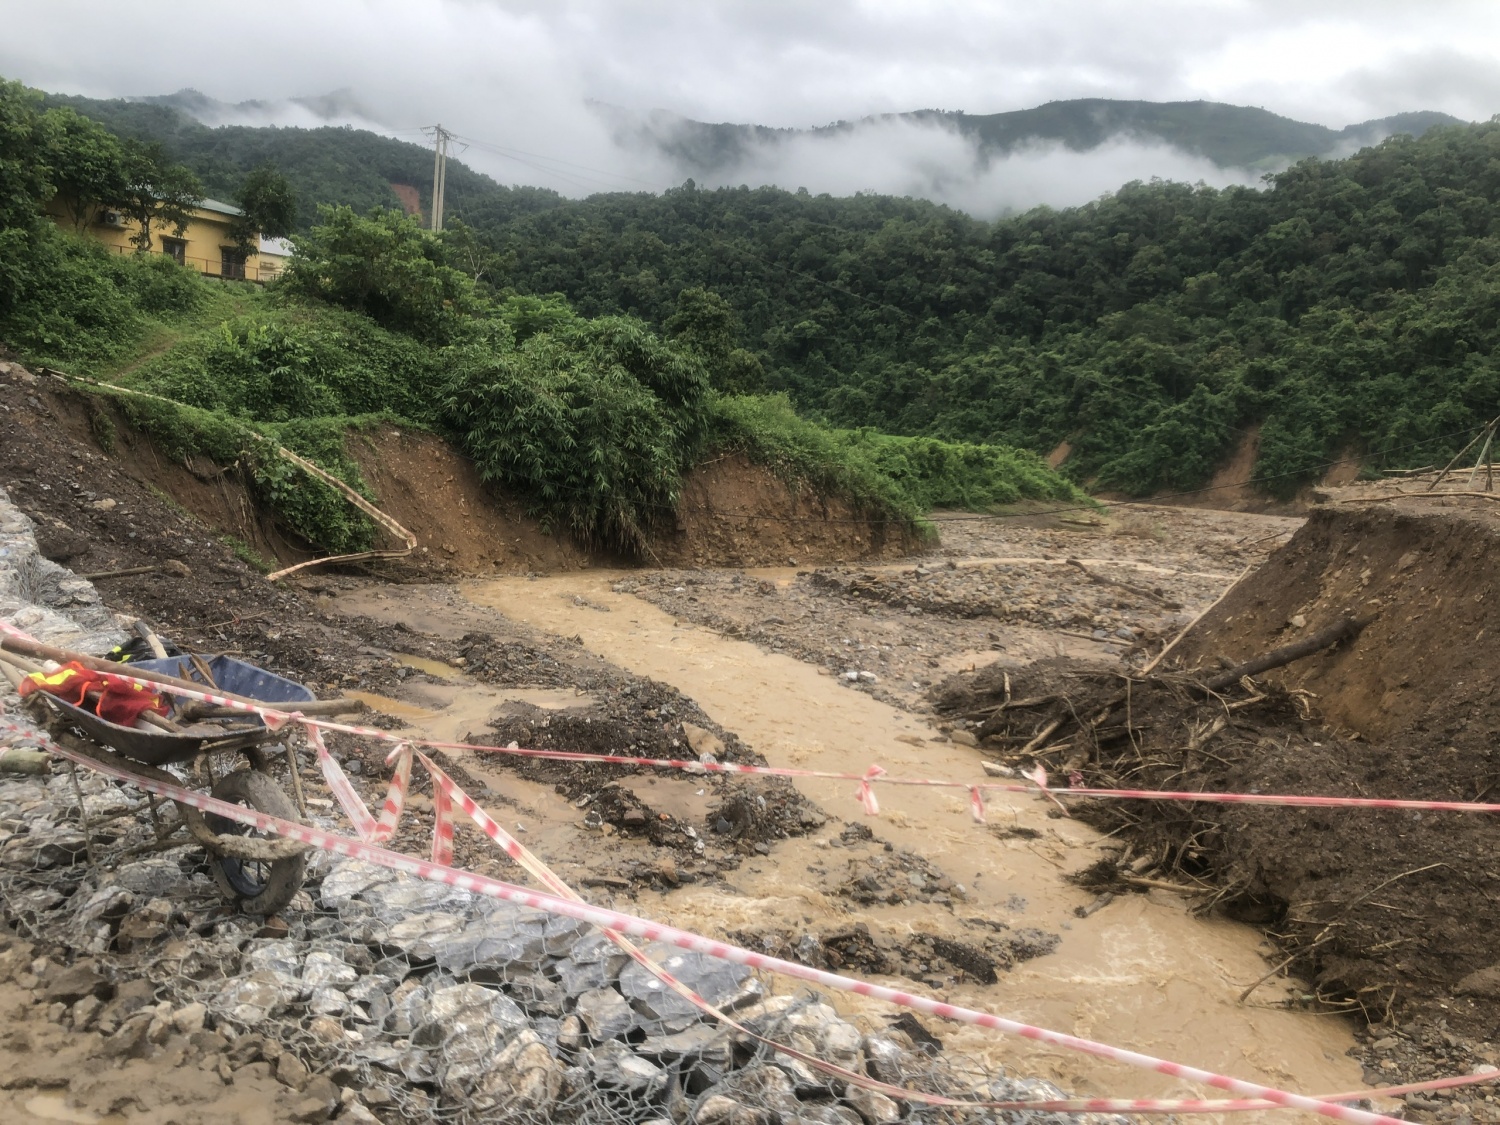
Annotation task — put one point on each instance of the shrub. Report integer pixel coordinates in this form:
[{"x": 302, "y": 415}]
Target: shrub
[{"x": 594, "y": 423}]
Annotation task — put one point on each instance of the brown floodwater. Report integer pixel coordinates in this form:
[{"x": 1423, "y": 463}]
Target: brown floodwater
[{"x": 1143, "y": 972}]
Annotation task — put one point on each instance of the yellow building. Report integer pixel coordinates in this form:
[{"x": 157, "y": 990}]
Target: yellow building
[{"x": 205, "y": 244}]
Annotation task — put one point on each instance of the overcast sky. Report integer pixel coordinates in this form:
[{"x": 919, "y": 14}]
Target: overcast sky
[{"x": 519, "y": 72}]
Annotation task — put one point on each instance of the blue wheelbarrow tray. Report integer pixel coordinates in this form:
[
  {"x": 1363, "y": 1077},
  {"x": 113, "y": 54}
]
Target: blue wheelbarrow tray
[{"x": 159, "y": 747}]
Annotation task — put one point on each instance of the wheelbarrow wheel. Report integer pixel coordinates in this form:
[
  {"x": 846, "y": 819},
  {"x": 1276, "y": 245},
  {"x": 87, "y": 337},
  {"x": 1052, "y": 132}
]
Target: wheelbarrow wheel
[{"x": 257, "y": 886}]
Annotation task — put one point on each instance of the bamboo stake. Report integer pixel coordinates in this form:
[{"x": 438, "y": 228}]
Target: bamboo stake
[{"x": 1188, "y": 628}]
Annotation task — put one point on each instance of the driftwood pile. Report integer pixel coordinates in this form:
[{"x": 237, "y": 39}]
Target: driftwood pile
[{"x": 1158, "y": 730}]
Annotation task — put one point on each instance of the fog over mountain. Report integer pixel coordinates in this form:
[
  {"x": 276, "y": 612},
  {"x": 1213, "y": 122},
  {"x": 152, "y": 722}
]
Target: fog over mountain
[
  {"x": 1059, "y": 154},
  {"x": 1061, "y": 100}
]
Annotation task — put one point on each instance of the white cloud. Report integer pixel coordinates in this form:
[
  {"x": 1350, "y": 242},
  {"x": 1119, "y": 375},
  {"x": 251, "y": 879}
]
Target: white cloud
[{"x": 518, "y": 73}]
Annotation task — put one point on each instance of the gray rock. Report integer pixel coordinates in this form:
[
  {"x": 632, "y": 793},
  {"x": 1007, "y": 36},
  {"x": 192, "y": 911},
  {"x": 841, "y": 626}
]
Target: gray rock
[
  {"x": 826, "y": 1115},
  {"x": 467, "y": 1023},
  {"x": 351, "y": 877},
  {"x": 593, "y": 962},
  {"x": 401, "y": 899},
  {"x": 420, "y": 936},
  {"x": 322, "y": 969},
  {"x": 328, "y": 1002},
  {"x": 708, "y": 1041},
  {"x": 615, "y": 1064},
  {"x": 524, "y": 1073},
  {"x": 150, "y": 878},
  {"x": 605, "y": 1013},
  {"x": 250, "y": 1000},
  {"x": 874, "y": 1107},
  {"x": 716, "y": 981},
  {"x": 761, "y": 1086}
]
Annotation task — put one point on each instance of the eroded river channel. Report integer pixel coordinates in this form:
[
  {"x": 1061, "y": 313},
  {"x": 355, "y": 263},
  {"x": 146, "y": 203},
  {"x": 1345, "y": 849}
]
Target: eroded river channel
[{"x": 1141, "y": 971}]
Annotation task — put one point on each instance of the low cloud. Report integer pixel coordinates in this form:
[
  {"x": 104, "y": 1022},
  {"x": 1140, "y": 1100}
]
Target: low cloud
[{"x": 934, "y": 161}]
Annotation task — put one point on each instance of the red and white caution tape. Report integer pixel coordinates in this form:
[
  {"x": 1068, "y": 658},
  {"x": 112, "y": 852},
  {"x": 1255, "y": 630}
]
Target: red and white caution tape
[
  {"x": 875, "y": 774},
  {"x": 626, "y": 924}
]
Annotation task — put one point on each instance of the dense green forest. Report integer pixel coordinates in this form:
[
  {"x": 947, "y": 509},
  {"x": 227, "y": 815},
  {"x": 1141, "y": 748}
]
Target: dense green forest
[
  {"x": 593, "y": 420},
  {"x": 1346, "y": 306}
]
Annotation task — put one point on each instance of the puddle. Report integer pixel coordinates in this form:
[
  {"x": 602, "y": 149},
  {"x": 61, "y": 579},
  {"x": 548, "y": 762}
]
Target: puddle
[
  {"x": 1142, "y": 972},
  {"x": 432, "y": 667}
]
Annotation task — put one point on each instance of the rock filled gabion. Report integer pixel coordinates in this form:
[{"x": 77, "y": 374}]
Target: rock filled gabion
[{"x": 447, "y": 1005}]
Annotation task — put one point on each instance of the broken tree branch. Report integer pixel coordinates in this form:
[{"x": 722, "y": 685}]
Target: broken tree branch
[
  {"x": 1342, "y": 629},
  {"x": 1139, "y": 591}
]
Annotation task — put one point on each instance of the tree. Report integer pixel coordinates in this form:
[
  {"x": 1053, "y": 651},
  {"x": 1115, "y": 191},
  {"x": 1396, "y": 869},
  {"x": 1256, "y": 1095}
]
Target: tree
[
  {"x": 25, "y": 177},
  {"x": 87, "y": 165},
  {"x": 270, "y": 208},
  {"x": 384, "y": 265},
  {"x": 468, "y": 251},
  {"x": 157, "y": 192},
  {"x": 706, "y": 323}
]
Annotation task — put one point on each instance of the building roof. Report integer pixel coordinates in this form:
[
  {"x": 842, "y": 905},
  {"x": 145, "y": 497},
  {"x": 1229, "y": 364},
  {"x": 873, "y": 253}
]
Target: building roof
[
  {"x": 276, "y": 247},
  {"x": 221, "y": 208}
]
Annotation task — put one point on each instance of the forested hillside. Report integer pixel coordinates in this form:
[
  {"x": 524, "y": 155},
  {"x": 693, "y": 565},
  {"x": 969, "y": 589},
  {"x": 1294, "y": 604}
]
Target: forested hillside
[
  {"x": 593, "y": 421},
  {"x": 1348, "y": 306}
]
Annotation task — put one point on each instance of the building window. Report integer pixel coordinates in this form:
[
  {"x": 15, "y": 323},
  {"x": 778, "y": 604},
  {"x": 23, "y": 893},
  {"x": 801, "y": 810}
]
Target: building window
[
  {"x": 232, "y": 263},
  {"x": 176, "y": 249}
]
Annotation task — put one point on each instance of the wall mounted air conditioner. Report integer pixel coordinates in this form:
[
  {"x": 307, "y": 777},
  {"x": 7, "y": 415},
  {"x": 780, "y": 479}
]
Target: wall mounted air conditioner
[{"x": 110, "y": 218}]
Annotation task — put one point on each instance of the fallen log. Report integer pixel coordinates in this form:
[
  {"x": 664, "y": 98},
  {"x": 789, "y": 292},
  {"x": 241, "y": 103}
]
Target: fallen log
[
  {"x": 65, "y": 656},
  {"x": 1342, "y": 629}
]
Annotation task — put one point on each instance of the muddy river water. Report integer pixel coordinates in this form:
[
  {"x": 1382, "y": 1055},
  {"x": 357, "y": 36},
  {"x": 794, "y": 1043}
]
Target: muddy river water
[{"x": 1142, "y": 972}]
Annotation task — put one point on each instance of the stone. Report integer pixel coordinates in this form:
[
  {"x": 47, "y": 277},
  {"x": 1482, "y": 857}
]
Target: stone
[
  {"x": 249, "y": 1000},
  {"x": 615, "y": 1064},
  {"x": 320, "y": 1086},
  {"x": 85, "y": 1011},
  {"x": 874, "y": 1107},
  {"x": 189, "y": 1018},
  {"x": 523, "y": 1072},
  {"x": 963, "y": 738},
  {"x": 825, "y": 1115},
  {"x": 405, "y": 896},
  {"x": 716, "y": 1109},
  {"x": 328, "y": 1002},
  {"x": 714, "y": 980},
  {"x": 150, "y": 878},
  {"x": 321, "y": 969},
  {"x": 130, "y": 997},
  {"x": 349, "y": 878},
  {"x": 291, "y": 1071},
  {"x": 326, "y": 1028},
  {"x": 760, "y": 1085},
  {"x": 73, "y": 983},
  {"x": 1482, "y": 982},
  {"x": 468, "y": 1023},
  {"x": 605, "y": 1013},
  {"x": 706, "y": 1041},
  {"x": 309, "y": 1110}
]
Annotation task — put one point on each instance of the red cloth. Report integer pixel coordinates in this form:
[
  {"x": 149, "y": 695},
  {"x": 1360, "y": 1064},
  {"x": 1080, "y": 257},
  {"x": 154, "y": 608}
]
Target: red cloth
[{"x": 109, "y": 697}]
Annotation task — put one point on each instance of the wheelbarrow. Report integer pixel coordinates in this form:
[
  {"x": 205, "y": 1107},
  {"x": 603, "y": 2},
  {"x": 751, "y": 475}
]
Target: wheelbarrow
[{"x": 257, "y": 872}]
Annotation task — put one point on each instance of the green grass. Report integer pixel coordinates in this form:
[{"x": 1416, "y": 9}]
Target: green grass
[{"x": 907, "y": 476}]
